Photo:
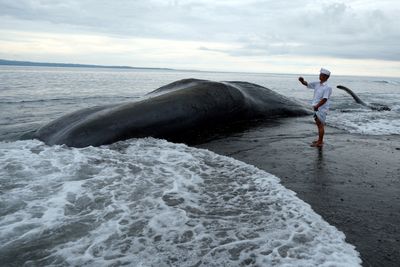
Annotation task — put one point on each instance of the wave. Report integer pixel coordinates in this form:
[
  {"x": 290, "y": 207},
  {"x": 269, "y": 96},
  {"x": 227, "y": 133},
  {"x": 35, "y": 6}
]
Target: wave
[
  {"x": 148, "y": 202},
  {"x": 366, "y": 122},
  {"x": 387, "y": 82}
]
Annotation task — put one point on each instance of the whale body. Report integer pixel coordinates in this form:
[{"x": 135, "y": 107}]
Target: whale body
[{"x": 181, "y": 107}]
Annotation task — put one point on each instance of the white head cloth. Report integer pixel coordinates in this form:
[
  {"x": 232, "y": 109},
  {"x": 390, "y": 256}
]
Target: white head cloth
[{"x": 325, "y": 71}]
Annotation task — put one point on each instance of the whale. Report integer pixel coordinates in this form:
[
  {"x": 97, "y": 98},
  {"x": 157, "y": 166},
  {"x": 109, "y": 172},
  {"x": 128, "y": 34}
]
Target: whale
[
  {"x": 372, "y": 106},
  {"x": 175, "y": 111}
]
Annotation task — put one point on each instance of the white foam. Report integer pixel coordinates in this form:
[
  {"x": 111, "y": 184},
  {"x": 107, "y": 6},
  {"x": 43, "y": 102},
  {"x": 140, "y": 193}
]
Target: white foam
[
  {"x": 367, "y": 122},
  {"x": 148, "y": 202}
]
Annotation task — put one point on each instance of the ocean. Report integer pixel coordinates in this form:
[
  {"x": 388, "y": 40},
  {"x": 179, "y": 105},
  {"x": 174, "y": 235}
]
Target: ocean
[{"x": 150, "y": 202}]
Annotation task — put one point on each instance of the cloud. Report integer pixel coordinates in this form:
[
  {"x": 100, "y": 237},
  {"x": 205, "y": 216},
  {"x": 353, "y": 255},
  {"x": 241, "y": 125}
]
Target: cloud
[
  {"x": 254, "y": 30},
  {"x": 84, "y": 48},
  {"x": 334, "y": 30}
]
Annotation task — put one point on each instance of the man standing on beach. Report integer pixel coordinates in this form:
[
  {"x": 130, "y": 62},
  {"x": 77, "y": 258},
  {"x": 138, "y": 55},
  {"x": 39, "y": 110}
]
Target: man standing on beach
[{"x": 321, "y": 102}]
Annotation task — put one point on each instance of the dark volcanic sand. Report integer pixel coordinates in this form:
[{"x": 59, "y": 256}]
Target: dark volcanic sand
[{"x": 353, "y": 182}]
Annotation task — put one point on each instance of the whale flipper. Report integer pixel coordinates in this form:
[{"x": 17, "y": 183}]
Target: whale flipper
[{"x": 373, "y": 106}]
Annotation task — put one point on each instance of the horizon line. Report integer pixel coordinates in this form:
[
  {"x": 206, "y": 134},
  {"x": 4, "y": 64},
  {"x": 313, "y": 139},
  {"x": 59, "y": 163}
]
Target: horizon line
[{"x": 27, "y": 63}]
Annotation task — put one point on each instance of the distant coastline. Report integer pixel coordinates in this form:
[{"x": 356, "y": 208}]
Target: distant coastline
[{"x": 5, "y": 62}]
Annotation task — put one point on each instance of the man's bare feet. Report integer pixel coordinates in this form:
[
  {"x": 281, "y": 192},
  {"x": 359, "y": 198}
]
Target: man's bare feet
[
  {"x": 316, "y": 141},
  {"x": 316, "y": 144}
]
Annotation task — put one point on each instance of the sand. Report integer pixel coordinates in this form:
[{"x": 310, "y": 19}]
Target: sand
[{"x": 353, "y": 182}]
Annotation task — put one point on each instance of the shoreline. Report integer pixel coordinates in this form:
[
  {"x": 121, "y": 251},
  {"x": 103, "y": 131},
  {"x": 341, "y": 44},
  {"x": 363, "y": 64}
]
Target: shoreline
[{"x": 353, "y": 182}]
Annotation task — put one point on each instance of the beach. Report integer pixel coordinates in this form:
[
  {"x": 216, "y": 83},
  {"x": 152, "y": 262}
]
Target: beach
[{"x": 352, "y": 182}]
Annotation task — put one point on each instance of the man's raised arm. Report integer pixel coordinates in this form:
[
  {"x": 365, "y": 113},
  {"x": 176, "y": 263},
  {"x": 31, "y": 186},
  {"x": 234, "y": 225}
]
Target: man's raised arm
[{"x": 301, "y": 79}]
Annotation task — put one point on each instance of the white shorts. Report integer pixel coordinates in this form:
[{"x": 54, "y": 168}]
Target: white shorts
[{"x": 321, "y": 116}]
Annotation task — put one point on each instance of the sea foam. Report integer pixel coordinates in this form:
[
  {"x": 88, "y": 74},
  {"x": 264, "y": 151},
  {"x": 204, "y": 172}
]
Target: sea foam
[
  {"x": 367, "y": 122},
  {"x": 148, "y": 202}
]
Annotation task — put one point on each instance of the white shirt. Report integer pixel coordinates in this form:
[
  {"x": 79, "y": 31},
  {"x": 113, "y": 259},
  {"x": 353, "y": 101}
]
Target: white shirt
[{"x": 321, "y": 91}]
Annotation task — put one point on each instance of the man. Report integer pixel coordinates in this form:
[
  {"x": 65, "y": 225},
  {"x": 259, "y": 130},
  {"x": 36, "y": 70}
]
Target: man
[{"x": 322, "y": 93}]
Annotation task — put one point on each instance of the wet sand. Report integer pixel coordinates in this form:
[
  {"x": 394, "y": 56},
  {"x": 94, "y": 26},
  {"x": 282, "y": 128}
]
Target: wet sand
[{"x": 353, "y": 182}]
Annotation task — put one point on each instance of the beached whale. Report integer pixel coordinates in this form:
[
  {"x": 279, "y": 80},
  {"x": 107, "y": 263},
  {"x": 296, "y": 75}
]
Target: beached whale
[
  {"x": 373, "y": 106},
  {"x": 177, "y": 109}
]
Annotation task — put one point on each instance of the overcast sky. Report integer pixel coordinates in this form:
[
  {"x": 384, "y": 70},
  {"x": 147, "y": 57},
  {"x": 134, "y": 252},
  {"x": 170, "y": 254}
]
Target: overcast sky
[{"x": 353, "y": 37}]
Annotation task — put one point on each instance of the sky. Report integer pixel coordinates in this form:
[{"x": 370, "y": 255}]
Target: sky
[{"x": 353, "y": 37}]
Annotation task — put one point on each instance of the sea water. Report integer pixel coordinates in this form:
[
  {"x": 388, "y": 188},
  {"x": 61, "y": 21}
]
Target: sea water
[{"x": 149, "y": 202}]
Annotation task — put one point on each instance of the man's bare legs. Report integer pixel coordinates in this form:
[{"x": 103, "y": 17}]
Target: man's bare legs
[{"x": 321, "y": 132}]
